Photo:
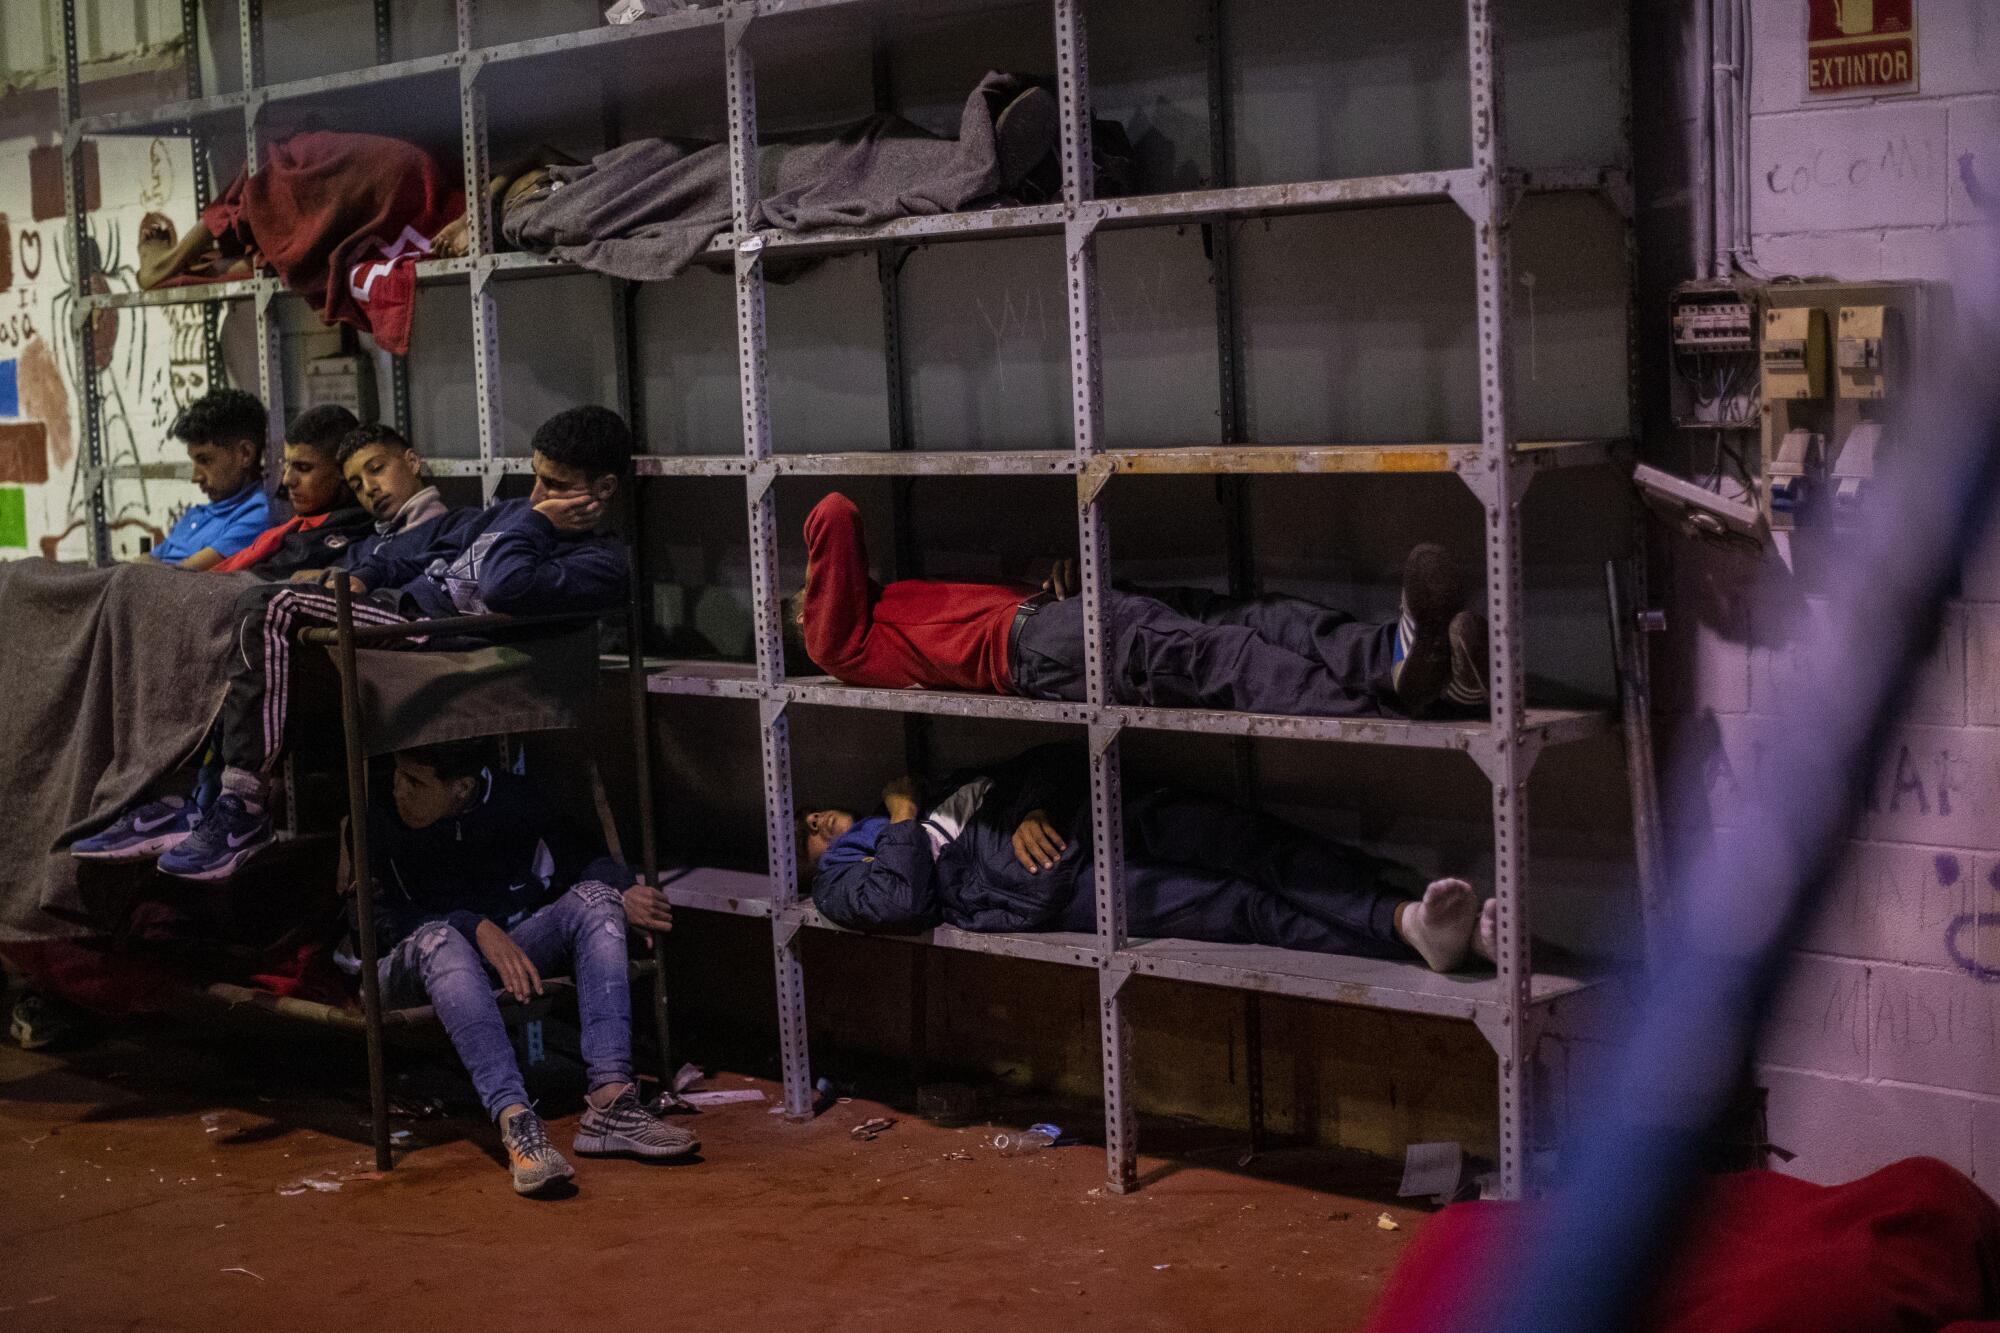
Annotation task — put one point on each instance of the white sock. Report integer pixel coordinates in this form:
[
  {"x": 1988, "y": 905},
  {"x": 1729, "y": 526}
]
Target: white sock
[
  {"x": 246, "y": 786},
  {"x": 1440, "y": 926}
]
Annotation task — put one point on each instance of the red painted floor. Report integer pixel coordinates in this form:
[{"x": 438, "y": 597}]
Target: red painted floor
[{"x": 154, "y": 1183}]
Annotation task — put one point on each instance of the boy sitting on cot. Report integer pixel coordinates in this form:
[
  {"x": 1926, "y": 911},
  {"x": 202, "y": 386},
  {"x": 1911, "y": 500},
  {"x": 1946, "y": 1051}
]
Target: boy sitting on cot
[
  {"x": 478, "y": 885},
  {"x": 224, "y": 434},
  {"x": 544, "y": 554}
]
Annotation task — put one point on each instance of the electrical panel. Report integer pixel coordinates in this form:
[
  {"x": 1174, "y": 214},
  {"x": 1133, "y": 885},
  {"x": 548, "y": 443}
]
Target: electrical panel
[
  {"x": 1794, "y": 353},
  {"x": 1861, "y": 351},
  {"x": 1702, "y": 327}
]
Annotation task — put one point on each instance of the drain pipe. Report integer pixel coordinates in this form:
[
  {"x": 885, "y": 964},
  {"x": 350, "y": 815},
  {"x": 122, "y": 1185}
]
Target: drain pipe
[
  {"x": 1723, "y": 18},
  {"x": 1701, "y": 192}
]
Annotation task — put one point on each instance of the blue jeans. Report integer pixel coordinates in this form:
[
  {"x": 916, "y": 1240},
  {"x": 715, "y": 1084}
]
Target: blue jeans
[{"x": 581, "y": 932}]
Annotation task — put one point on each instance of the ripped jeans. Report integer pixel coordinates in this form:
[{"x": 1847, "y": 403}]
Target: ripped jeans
[{"x": 582, "y": 932}]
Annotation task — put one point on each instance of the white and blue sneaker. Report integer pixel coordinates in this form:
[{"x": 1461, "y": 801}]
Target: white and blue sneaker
[
  {"x": 142, "y": 832},
  {"x": 229, "y": 834}
]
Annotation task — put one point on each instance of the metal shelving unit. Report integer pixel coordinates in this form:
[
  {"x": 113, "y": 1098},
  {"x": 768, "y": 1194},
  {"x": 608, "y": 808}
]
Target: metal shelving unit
[{"x": 1509, "y": 1010}]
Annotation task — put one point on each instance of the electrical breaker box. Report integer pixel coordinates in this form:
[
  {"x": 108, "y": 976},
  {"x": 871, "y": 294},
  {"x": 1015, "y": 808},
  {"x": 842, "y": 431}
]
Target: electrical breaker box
[
  {"x": 1861, "y": 352},
  {"x": 1794, "y": 353}
]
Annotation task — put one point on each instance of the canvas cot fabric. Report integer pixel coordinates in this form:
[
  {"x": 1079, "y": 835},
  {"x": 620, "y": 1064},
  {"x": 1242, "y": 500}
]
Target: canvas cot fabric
[
  {"x": 342, "y": 218},
  {"x": 644, "y": 210}
]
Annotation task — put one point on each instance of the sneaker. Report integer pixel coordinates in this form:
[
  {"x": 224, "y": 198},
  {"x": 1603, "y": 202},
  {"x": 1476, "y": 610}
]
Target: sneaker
[
  {"x": 229, "y": 834},
  {"x": 530, "y": 1156},
  {"x": 1432, "y": 592},
  {"x": 627, "y": 1129},
  {"x": 1467, "y": 686},
  {"x": 142, "y": 832},
  {"x": 40, "y": 1021}
]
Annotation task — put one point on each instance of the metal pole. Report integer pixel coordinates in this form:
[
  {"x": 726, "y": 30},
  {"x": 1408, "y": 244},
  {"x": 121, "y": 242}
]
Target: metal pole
[
  {"x": 1625, "y": 591},
  {"x": 1506, "y": 765},
  {"x": 364, "y": 879},
  {"x": 211, "y": 341},
  {"x": 478, "y": 219},
  {"x": 774, "y": 729},
  {"x": 81, "y": 269},
  {"x": 1093, "y": 543}
]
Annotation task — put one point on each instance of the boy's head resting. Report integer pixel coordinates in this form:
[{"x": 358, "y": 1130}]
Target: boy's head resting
[
  {"x": 224, "y": 434},
  {"x": 381, "y": 469},
  {"x": 311, "y": 480},
  {"x": 579, "y": 457},
  {"x": 818, "y": 831},
  {"x": 435, "y": 782}
]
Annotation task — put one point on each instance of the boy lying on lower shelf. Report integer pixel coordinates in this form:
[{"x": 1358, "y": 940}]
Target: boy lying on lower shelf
[
  {"x": 479, "y": 885},
  {"x": 1006, "y": 847}
]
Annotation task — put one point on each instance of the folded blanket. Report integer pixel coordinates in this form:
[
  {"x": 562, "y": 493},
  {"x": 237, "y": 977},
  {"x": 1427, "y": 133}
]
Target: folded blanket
[{"x": 109, "y": 679}]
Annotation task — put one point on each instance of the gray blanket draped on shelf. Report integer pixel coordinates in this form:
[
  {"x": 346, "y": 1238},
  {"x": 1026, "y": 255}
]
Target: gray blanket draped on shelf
[
  {"x": 644, "y": 210},
  {"x": 109, "y": 679}
]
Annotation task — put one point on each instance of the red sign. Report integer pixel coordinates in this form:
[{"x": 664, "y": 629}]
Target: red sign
[{"x": 1860, "y": 46}]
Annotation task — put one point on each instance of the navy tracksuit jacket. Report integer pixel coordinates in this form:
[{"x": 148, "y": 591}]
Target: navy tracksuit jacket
[{"x": 1196, "y": 868}]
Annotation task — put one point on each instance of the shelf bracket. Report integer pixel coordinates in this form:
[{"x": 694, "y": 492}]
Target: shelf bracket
[
  {"x": 472, "y": 67},
  {"x": 760, "y": 475},
  {"x": 480, "y": 273},
  {"x": 1113, "y": 975},
  {"x": 770, "y": 710},
  {"x": 1090, "y": 482},
  {"x": 1487, "y": 749},
  {"x": 1483, "y": 478},
  {"x": 254, "y": 103},
  {"x": 1493, "y": 1022},
  {"x": 1104, "y": 734},
  {"x": 1078, "y": 228},
  {"x": 735, "y": 23},
  {"x": 72, "y": 138},
  {"x": 784, "y": 929}
]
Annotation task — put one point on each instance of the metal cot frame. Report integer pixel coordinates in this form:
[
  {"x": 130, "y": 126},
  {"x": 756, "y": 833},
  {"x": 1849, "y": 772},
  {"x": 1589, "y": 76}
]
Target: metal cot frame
[{"x": 1510, "y": 1011}]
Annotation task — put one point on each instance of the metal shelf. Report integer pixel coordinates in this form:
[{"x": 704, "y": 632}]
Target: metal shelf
[
  {"x": 726, "y": 680},
  {"x": 1330, "y": 978},
  {"x": 1156, "y": 210},
  {"x": 1510, "y": 1007}
]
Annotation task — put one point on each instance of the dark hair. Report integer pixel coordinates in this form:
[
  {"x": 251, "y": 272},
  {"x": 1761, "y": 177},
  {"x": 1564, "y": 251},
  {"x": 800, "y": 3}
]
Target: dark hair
[
  {"x": 222, "y": 416},
  {"x": 321, "y": 427},
  {"x": 452, "y": 760},
  {"x": 375, "y": 432},
  {"x": 594, "y": 440}
]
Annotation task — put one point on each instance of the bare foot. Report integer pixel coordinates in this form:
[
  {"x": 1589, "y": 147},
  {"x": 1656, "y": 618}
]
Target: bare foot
[
  {"x": 156, "y": 250},
  {"x": 1485, "y": 941},
  {"x": 1441, "y": 926}
]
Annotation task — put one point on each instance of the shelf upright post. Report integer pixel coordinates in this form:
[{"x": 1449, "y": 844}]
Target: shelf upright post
[
  {"x": 1231, "y": 491},
  {"x": 908, "y": 558},
  {"x": 270, "y": 359},
  {"x": 1093, "y": 544},
  {"x": 211, "y": 312},
  {"x": 479, "y": 225},
  {"x": 774, "y": 728},
  {"x": 82, "y": 266},
  {"x": 399, "y": 366},
  {"x": 1500, "y": 485}
]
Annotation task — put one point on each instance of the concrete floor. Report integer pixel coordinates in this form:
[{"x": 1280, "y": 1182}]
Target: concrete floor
[{"x": 153, "y": 1181}]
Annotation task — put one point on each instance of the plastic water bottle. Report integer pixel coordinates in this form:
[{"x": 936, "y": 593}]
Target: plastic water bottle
[{"x": 1030, "y": 1140}]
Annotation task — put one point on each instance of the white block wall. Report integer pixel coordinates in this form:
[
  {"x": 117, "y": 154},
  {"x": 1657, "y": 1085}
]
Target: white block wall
[{"x": 1886, "y": 1042}]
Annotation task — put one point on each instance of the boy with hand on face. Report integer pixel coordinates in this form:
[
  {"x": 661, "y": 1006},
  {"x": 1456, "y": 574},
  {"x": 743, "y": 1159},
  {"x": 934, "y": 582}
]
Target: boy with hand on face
[
  {"x": 477, "y": 884},
  {"x": 224, "y": 434}
]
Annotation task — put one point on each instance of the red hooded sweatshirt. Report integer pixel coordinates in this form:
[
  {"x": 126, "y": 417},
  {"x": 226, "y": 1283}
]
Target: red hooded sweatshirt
[{"x": 914, "y": 632}]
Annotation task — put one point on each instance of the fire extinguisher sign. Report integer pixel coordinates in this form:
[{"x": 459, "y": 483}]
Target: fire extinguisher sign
[{"x": 1858, "y": 47}]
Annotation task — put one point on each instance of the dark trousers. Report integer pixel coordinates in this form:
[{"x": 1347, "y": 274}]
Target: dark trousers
[
  {"x": 1201, "y": 869},
  {"x": 1187, "y": 648},
  {"x": 260, "y": 671}
]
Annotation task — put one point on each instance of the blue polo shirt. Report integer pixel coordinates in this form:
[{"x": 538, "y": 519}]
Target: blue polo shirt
[{"x": 227, "y": 525}]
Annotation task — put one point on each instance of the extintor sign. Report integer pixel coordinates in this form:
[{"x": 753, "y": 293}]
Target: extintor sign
[{"x": 1857, "y": 47}]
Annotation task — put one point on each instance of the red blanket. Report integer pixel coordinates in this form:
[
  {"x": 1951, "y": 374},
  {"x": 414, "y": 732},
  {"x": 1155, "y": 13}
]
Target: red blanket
[
  {"x": 1916, "y": 1246},
  {"x": 342, "y": 218}
]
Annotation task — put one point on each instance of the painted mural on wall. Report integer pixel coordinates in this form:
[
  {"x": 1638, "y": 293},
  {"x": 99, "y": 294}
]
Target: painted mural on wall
[{"x": 147, "y": 364}]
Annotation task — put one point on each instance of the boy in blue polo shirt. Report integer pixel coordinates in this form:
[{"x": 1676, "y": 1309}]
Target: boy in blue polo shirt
[{"x": 224, "y": 434}]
